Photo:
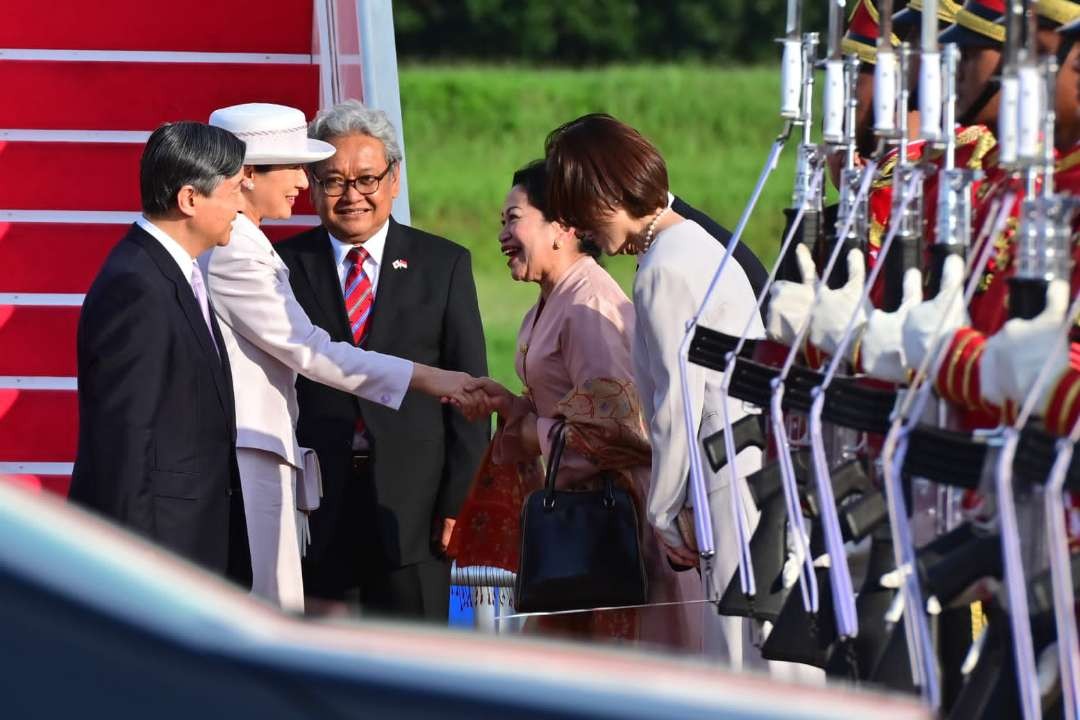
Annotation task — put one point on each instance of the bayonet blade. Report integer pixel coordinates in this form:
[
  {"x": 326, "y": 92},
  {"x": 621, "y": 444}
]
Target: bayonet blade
[
  {"x": 836, "y": 29},
  {"x": 929, "y": 27},
  {"x": 793, "y": 25}
]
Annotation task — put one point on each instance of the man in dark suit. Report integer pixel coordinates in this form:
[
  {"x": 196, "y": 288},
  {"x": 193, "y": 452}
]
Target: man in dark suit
[
  {"x": 157, "y": 429},
  {"x": 392, "y": 481}
]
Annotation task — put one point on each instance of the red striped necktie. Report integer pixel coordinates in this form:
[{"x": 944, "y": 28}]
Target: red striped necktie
[
  {"x": 358, "y": 301},
  {"x": 358, "y": 295}
]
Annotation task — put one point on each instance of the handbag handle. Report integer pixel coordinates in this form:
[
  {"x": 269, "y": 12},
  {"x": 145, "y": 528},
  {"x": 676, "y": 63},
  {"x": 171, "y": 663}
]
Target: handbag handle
[{"x": 558, "y": 442}]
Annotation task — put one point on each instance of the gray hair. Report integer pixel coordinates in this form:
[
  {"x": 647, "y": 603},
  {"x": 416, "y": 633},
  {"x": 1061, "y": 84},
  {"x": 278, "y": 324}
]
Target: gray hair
[{"x": 351, "y": 116}]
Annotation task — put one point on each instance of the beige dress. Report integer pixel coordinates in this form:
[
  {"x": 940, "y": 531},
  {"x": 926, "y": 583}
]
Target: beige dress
[{"x": 579, "y": 333}]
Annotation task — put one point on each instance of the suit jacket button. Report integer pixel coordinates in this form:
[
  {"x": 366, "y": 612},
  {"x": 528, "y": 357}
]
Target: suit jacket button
[{"x": 385, "y": 399}]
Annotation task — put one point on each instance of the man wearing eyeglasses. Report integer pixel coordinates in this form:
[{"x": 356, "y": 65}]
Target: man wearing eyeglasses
[{"x": 392, "y": 482}]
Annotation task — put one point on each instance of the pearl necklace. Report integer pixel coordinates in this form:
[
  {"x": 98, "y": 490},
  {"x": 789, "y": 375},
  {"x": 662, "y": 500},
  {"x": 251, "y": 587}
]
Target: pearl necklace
[{"x": 650, "y": 232}]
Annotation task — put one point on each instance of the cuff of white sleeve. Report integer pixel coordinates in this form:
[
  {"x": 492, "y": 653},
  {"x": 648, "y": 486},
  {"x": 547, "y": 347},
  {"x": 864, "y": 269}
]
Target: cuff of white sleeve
[{"x": 395, "y": 382}]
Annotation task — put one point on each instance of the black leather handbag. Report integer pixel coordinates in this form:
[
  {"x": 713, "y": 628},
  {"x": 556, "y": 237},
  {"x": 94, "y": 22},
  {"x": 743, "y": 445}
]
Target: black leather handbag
[{"x": 579, "y": 550}]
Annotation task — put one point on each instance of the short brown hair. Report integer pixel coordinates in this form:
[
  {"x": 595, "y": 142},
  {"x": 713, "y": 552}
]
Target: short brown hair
[{"x": 596, "y": 165}]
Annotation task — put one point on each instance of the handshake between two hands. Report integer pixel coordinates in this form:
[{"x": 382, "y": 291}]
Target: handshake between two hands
[{"x": 476, "y": 398}]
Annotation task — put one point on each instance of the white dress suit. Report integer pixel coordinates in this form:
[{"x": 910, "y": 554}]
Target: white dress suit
[
  {"x": 270, "y": 340},
  {"x": 672, "y": 279}
]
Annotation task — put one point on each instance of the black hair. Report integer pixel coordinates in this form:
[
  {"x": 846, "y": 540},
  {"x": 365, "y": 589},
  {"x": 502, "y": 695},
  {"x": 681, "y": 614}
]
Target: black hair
[
  {"x": 185, "y": 153},
  {"x": 532, "y": 178},
  {"x": 1065, "y": 47}
]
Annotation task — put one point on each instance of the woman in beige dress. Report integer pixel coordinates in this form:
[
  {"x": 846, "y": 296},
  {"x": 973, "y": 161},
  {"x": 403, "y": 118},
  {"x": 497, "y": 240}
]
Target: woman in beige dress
[{"x": 573, "y": 358}]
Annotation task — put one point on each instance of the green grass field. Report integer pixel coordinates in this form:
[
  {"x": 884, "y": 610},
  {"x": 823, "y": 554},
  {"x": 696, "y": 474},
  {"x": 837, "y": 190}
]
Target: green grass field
[{"x": 468, "y": 128}]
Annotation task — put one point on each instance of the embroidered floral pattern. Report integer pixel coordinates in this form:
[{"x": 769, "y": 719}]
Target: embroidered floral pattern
[
  {"x": 605, "y": 425},
  {"x": 488, "y": 529}
]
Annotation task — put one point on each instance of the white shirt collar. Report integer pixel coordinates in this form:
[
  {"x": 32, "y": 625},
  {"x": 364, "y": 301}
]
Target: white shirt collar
[
  {"x": 375, "y": 246},
  {"x": 184, "y": 261}
]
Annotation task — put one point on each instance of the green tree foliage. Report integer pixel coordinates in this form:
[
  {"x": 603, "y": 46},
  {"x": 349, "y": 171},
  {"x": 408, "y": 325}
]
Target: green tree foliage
[{"x": 577, "y": 32}]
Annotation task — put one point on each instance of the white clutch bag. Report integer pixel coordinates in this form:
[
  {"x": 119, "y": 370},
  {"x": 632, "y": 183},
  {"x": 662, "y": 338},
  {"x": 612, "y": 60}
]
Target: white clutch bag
[{"x": 309, "y": 488}]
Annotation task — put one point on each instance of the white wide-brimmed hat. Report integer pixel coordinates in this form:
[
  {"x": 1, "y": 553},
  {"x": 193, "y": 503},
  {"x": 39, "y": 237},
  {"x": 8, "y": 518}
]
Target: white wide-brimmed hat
[{"x": 273, "y": 134}]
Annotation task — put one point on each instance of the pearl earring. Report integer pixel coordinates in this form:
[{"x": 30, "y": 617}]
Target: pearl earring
[{"x": 249, "y": 184}]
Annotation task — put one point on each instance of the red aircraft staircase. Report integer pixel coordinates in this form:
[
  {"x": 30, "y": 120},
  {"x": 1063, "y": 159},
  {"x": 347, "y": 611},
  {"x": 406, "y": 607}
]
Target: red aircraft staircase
[{"x": 81, "y": 87}]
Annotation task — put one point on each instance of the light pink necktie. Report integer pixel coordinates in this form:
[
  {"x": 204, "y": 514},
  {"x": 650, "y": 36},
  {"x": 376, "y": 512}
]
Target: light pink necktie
[{"x": 204, "y": 304}]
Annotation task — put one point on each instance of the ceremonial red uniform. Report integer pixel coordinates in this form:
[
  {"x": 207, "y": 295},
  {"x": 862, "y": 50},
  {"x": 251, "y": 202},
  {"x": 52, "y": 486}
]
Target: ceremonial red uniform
[{"x": 958, "y": 379}]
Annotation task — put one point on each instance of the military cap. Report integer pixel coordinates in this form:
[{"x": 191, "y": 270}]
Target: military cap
[
  {"x": 976, "y": 25},
  {"x": 912, "y": 14},
  {"x": 1058, "y": 12},
  {"x": 863, "y": 30},
  {"x": 1071, "y": 29},
  {"x": 1053, "y": 15}
]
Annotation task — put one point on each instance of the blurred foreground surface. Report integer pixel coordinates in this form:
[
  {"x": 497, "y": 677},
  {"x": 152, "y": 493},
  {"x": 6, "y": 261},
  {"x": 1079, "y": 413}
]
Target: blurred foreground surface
[{"x": 100, "y": 624}]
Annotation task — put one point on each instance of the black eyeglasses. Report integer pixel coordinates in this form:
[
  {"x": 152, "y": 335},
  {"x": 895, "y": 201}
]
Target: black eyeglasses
[{"x": 338, "y": 186}]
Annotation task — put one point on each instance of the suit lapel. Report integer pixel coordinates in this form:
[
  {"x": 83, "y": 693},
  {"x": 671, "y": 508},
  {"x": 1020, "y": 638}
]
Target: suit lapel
[
  {"x": 190, "y": 307},
  {"x": 388, "y": 292},
  {"x": 317, "y": 261}
]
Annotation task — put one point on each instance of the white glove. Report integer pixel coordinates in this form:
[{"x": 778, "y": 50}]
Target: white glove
[
  {"x": 790, "y": 302},
  {"x": 921, "y": 328},
  {"x": 793, "y": 560},
  {"x": 830, "y": 317},
  {"x": 992, "y": 366},
  {"x": 1048, "y": 670},
  {"x": 882, "y": 341},
  {"x": 1016, "y": 354}
]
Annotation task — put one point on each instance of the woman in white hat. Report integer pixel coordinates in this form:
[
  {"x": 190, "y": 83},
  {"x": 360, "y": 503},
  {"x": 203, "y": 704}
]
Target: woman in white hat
[{"x": 268, "y": 340}]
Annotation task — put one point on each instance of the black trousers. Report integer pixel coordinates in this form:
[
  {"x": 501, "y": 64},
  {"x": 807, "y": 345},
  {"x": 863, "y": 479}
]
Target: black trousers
[
  {"x": 352, "y": 565},
  {"x": 239, "y": 567}
]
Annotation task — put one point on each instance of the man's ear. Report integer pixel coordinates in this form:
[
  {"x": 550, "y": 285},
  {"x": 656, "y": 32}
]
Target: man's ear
[
  {"x": 395, "y": 180},
  {"x": 185, "y": 200}
]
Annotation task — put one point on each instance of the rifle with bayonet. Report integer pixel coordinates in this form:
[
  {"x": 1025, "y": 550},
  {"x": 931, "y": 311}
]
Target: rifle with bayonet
[
  {"x": 906, "y": 212},
  {"x": 1042, "y": 257},
  {"x": 806, "y": 211},
  {"x": 940, "y": 454},
  {"x": 1043, "y": 250},
  {"x": 953, "y": 229},
  {"x": 796, "y": 88},
  {"x": 838, "y": 130}
]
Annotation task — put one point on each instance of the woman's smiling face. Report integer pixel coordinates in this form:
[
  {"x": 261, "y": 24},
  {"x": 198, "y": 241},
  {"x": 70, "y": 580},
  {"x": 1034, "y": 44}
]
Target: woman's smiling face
[{"x": 527, "y": 239}]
